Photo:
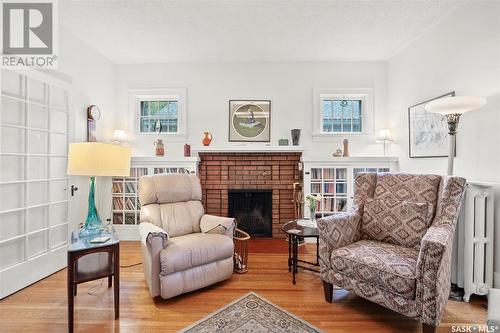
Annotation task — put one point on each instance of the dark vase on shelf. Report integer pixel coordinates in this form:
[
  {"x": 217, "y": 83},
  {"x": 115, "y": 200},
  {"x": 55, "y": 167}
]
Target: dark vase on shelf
[{"x": 295, "y": 136}]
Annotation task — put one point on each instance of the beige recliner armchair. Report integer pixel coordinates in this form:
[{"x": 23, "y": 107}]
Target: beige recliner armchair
[{"x": 182, "y": 248}]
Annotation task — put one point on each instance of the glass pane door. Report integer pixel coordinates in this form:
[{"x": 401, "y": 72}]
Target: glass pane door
[{"x": 33, "y": 180}]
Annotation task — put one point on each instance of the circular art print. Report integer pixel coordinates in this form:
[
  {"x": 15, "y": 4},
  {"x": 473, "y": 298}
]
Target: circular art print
[{"x": 249, "y": 121}]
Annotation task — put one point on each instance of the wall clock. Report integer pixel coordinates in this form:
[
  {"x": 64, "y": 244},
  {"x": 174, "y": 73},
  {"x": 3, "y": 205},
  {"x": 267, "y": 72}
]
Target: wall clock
[{"x": 93, "y": 114}]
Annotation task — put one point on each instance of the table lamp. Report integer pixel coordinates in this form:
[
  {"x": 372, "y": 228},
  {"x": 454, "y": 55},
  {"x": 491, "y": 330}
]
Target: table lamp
[
  {"x": 97, "y": 159},
  {"x": 384, "y": 135},
  {"x": 120, "y": 136},
  {"x": 452, "y": 108}
]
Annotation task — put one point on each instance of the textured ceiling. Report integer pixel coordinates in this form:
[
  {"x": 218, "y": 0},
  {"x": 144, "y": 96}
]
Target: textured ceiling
[{"x": 250, "y": 31}]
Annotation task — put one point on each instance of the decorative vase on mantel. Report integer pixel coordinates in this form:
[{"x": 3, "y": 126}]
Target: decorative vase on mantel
[{"x": 295, "y": 136}]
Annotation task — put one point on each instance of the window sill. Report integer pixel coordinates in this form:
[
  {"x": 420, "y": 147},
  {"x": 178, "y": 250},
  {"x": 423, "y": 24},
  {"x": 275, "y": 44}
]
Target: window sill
[
  {"x": 326, "y": 137},
  {"x": 174, "y": 136}
]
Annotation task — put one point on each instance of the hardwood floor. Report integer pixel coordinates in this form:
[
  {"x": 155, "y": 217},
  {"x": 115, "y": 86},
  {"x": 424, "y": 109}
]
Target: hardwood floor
[{"x": 42, "y": 307}]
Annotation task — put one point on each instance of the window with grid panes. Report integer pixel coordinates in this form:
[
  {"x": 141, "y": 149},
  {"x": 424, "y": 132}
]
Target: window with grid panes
[
  {"x": 159, "y": 116},
  {"x": 341, "y": 115}
]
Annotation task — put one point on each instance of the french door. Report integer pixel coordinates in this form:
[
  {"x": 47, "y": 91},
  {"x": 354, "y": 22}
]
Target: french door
[{"x": 34, "y": 137}]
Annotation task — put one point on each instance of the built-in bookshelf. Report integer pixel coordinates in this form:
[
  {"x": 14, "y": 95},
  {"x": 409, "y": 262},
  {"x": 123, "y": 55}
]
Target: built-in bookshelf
[
  {"x": 126, "y": 208},
  {"x": 334, "y": 180},
  {"x": 331, "y": 184}
]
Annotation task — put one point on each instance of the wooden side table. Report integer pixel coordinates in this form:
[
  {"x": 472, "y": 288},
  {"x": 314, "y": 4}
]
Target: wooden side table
[
  {"x": 91, "y": 261},
  {"x": 293, "y": 247}
]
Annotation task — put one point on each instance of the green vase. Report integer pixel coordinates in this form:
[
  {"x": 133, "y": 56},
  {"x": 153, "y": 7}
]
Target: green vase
[{"x": 93, "y": 224}]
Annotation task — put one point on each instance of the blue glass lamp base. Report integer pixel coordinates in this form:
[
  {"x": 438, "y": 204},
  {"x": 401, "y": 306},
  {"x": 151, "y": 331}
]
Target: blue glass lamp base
[
  {"x": 93, "y": 225},
  {"x": 92, "y": 232}
]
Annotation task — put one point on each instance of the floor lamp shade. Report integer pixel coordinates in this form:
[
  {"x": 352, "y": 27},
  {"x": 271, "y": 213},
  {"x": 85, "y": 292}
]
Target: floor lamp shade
[
  {"x": 97, "y": 159},
  {"x": 452, "y": 108},
  {"x": 455, "y": 104}
]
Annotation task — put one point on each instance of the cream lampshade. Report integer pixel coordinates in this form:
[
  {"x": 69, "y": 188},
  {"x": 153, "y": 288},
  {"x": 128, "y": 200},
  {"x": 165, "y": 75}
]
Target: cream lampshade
[
  {"x": 97, "y": 159},
  {"x": 452, "y": 108}
]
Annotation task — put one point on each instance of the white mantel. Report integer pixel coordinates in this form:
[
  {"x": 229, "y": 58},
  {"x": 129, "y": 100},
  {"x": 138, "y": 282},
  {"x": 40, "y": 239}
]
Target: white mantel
[
  {"x": 354, "y": 159},
  {"x": 162, "y": 159},
  {"x": 254, "y": 148}
]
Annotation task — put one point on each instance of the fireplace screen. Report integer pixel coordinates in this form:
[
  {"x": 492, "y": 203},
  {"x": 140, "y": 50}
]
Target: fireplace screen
[{"x": 252, "y": 210}]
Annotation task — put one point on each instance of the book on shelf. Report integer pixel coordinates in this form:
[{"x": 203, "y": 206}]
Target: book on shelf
[
  {"x": 129, "y": 204},
  {"x": 129, "y": 187},
  {"x": 329, "y": 173},
  {"x": 117, "y": 187},
  {"x": 316, "y": 173},
  {"x": 315, "y": 187},
  {"x": 341, "y": 205},
  {"x": 328, "y": 188},
  {"x": 117, "y": 204},
  {"x": 328, "y": 207},
  {"x": 341, "y": 174},
  {"x": 117, "y": 218}
]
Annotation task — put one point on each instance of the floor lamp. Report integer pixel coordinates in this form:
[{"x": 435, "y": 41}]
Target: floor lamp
[{"x": 452, "y": 108}]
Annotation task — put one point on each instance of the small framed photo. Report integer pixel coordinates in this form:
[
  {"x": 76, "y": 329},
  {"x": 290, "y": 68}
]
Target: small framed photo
[
  {"x": 428, "y": 132},
  {"x": 249, "y": 121}
]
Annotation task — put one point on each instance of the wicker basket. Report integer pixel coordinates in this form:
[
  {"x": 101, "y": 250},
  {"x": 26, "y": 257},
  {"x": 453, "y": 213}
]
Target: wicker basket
[{"x": 240, "y": 256}]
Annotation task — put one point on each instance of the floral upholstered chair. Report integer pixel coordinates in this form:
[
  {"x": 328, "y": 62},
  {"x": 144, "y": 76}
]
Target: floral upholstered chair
[{"x": 394, "y": 247}]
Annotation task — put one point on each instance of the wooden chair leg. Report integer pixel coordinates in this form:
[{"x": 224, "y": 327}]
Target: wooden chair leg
[
  {"x": 110, "y": 281},
  {"x": 428, "y": 328},
  {"x": 328, "y": 288}
]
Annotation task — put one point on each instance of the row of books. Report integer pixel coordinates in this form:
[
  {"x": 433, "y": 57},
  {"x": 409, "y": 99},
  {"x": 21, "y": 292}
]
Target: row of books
[
  {"x": 329, "y": 173},
  {"x": 119, "y": 218},
  {"x": 120, "y": 204},
  {"x": 118, "y": 187},
  {"x": 329, "y": 188},
  {"x": 170, "y": 170},
  {"x": 330, "y": 206}
]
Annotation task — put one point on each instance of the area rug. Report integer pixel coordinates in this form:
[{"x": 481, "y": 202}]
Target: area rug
[{"x": 251, "y": 314}]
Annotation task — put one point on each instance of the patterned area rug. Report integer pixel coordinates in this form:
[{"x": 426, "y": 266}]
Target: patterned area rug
[{"x": 251, "y": 314}]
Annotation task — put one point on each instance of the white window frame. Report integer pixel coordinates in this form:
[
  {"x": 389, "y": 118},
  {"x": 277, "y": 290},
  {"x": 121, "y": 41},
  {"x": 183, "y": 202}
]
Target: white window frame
[
  {"x": 138, "y": 95},
  {"x": 365, "y": 95}
]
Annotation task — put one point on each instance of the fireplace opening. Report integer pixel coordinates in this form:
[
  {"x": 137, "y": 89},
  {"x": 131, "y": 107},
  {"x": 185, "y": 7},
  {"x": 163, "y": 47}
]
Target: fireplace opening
[{"x": 252, "y": 210}]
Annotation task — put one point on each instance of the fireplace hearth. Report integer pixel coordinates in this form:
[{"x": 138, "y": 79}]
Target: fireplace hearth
[{"x": 252, "y": 210}]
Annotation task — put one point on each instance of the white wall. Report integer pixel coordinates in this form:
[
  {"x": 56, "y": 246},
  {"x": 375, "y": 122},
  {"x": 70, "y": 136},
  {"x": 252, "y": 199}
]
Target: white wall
[
  {"x": 288, "y": 85},
  {"x": 93, "y": 82},
  {"x": 461, "y": 53}
]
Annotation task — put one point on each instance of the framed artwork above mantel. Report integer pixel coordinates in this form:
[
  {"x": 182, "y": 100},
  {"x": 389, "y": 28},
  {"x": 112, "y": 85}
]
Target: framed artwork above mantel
[
  {"x": 249, "y": 121},
  {"x": 427, "y": 132}
]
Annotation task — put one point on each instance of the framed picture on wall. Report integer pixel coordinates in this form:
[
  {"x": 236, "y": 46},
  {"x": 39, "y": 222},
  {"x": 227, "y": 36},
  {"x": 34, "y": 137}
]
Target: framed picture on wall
[
  {"x": 428, "y": 132},
  {"x": 249, "y": 121}
]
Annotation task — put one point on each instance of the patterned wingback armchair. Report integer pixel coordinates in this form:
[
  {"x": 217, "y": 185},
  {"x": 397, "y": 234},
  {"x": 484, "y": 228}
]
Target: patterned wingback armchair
[{"x": 394, "y": 247}]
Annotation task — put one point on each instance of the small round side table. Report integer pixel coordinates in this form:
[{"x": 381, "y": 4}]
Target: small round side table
[{"x": 296, "y": 233}]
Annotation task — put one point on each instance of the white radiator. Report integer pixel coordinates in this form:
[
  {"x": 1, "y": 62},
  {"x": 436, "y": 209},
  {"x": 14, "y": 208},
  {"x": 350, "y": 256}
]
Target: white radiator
[{"x": 472, "y": 265}]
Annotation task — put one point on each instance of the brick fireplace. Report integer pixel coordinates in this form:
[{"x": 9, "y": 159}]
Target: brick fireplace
[{"x": 220, "y": 172}]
